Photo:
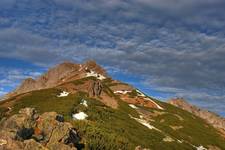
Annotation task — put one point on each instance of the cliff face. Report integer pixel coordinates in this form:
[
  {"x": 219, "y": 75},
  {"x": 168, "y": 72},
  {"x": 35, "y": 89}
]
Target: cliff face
[{"x": 213, "y": 119}]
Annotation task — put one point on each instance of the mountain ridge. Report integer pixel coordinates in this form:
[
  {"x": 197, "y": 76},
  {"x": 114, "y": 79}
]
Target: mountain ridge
[
  {"x": 107, "y": 114},
  {"x": 215, "y": 120}
]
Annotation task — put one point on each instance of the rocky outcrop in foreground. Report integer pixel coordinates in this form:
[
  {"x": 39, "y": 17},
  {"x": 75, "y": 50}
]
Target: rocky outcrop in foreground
[
  {"x": 213, "y": 119},
  {"x": 30, "y": 131}
]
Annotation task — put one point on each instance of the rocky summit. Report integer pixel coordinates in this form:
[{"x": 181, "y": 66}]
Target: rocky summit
[{"x": 79, "y": 106}]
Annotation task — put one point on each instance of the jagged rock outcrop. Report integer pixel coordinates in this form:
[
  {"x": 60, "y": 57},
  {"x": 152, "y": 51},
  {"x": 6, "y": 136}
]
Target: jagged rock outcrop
[
  {"x": 28, "y": 130},
  {"x": 212, "y": 118},
  {"x": 95, "y": 88}
]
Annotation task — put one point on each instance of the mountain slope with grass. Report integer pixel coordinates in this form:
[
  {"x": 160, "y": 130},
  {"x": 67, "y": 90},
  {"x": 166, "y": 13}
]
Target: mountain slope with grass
[{"x": 97, "y": 113}]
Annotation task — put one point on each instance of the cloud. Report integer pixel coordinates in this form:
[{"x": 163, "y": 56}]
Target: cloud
[{"x": 12, "y": 77}]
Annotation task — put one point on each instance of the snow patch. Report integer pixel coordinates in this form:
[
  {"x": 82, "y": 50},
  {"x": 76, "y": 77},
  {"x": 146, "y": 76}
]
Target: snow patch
[
  {"x": 159, "y": 107},
  {"x": 180, "y": 141},
  {"x": 63, "y": 94},
  {"x": 79, "y": 116},
  {"x": 94, "y": 74},
  {"x": 201, "y": 148},
  {"x": 122, "y": 92},
  {"x": 139, "y": 93},
  {"x": 145, "y": 123},
  {"x": 168, "y": 139},
  {"x": 84, "y": 102},
  {"x": 133, "y": 106}
]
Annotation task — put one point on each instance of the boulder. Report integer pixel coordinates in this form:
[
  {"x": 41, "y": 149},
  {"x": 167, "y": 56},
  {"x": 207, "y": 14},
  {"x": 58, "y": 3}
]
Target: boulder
[
  {"x": 8, "y": 142},
  {"x": 27, "y": 130},
  {"x": 59, "y": 134},
  {"x": 33, "y": 145},
  {"x": 46, "y": 123},
  {"x": 25, "y": 119}
]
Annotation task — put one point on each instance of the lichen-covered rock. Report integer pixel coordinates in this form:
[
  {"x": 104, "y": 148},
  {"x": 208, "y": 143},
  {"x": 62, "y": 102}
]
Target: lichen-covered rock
[
  {"x": 8, "y": 141},
  {"x": 59, "y": 133},
  {"x": 46, "y": 123},
  {"x": 25, "y": 119},
  {"x": 33, "y": 145},
  {"x": 29, "y": 131}
]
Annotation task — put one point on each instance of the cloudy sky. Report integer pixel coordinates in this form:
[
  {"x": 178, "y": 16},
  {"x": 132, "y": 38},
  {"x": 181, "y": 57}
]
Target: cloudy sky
[{"x": 167, "y": 48}]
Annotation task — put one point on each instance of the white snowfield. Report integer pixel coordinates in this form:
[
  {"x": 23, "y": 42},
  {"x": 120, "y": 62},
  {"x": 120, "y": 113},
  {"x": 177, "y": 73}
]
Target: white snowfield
[
  {"x": 122, "y": 92},
  {"x": 133, "y": 106},
  {"x": 63, "y": 94},
  {"x": 84, "y": 102},
  {"x": 79, "y": 116},
  {"x": 94, "y": 74}
]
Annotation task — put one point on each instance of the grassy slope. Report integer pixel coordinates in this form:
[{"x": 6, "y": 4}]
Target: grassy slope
[{"x": 108, "y": 128}]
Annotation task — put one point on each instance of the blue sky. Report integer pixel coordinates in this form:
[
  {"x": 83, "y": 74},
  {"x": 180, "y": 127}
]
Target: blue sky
[{"x": 167, "y": 48}]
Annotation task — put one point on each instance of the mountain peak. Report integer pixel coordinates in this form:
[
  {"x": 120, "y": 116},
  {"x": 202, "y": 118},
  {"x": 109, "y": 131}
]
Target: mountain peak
[{"x": 59, "y": 74}]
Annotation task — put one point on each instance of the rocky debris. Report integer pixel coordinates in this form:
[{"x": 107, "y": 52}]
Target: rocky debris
[
  {"x": 95, "y": 89},
  {"x": 212, "y": 118},
  {"x": 28, "y": 130}
]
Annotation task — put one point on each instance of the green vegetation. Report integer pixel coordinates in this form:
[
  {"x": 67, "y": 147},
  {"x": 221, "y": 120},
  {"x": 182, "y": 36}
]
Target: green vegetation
[
  {"x": 46, "y": 100},
  {"x": 194, "y": 130},
  {"x": 110, "y": 129}
]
